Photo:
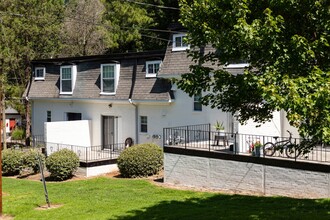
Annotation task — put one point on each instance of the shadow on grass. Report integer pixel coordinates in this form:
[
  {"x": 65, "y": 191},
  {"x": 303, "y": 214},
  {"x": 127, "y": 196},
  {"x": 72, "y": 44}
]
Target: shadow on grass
[{"x": 234, "y": 207}]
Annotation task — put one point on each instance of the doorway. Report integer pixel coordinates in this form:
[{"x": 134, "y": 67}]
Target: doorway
[{"x": 109, "y": 132}]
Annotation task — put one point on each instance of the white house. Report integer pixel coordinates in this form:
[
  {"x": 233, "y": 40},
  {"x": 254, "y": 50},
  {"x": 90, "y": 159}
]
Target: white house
[{"x": 123, "y": 96}]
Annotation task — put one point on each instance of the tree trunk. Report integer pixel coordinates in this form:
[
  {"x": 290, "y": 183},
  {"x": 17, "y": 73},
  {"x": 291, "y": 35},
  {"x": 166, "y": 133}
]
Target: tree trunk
[{"x": 28, "y": 122}]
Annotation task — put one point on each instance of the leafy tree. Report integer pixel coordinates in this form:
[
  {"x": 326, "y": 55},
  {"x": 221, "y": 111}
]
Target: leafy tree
[
  {"x": 98, "y": 26},
  {"x": 131, "y": 25},
  {"x": 29, "y": 30},
  {"x": 286, "y": 44},
  {"x": 82, "y": 32}
]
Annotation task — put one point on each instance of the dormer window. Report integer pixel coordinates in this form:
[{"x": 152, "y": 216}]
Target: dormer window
[
  {"x": 109, "y": 78},
  {"x": 152, "y": 68},
  {"x": 39, "y": 73},
  {"x": 179, "y": 42},
  {"x": 68, "y": 75}
]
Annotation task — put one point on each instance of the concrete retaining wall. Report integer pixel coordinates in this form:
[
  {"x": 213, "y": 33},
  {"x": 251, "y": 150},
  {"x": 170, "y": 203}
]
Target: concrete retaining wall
[{"x": 248, "y": 177}]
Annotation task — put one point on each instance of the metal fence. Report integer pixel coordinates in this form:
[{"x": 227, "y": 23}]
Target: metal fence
[
  {"x": 91, "y": 153},
  {"x": 200, "y": 137}
]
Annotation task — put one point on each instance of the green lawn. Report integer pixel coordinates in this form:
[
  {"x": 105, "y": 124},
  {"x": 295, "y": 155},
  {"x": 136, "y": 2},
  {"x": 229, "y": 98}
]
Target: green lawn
[{"x": 106, "y": 198}]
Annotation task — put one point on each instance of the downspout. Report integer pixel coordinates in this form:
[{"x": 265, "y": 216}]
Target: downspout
[
  {"x": 136, "y": 120},
  {"x": 135, "y": 105}
]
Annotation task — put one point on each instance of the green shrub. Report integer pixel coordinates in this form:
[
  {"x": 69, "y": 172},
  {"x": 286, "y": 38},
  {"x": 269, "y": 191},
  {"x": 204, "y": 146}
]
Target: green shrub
[
  {"x": 18, "y": 134},
  {"x": 140, "y": 160},
  {"x": 62, "y": 164},
  {"x": 12, "y": 162},
  {"x": 31, "y": 159}
]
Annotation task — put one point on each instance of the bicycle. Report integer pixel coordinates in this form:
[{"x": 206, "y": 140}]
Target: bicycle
[{"x": 270, "y": 148}]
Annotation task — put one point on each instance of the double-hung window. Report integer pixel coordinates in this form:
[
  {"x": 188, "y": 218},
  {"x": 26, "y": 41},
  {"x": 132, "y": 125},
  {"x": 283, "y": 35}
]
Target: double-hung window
[
  {"x": 143, "y": 124},
  {"x": 39, "y": 73},
  {"x": 66, "y": 79},
  {"x": 152, "y": 68},
  {"x": 109, "y": 78},
  {"x": 179, "y": 42},
  {"x": 197, "y": 102}
]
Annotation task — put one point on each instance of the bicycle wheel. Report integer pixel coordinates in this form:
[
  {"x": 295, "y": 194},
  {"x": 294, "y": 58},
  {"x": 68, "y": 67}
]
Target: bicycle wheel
[
  {"x": 269, "y": 149},
  {"x": 291, "y": 151}
]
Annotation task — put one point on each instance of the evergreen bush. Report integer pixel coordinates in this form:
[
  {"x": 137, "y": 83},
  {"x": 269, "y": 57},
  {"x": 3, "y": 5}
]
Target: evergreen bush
[
  {"x": 140, "y": 160},
  {"x": 12, "y": 162},
  {"x": 62, "y": 164},
  {"x": 31, "y": 159}
]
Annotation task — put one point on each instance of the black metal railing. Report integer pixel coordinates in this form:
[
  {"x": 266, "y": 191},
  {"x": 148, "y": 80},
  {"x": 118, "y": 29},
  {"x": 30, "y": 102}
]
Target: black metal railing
[
  {"x": 200, "y": 137},
  {"x": 91, "y": 153},
  {"x": 85, "y": 153}
]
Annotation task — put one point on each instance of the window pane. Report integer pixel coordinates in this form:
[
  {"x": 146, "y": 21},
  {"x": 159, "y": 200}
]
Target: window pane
[
  {"x": 71, "y": 116},
  {"x": 49, "y": 116},
  {"x": 197, "y": 106},
  {"x": 66, "y": 73},
  {"x": 144, "y": 119},
  {"x": 108, "y": 72},
  {"x": 66, "y": 86},
  {"x": 144, "y": 128},
  {"x": 144, "y": 124},
  {"x": 150, "y": 69},
  {"x": 40, "y": 73},
  {"x": 156, "y": 66},
  {"x": 178, "y": 41},
  {"x": 108, "y": 85},
  {"x": 197, "y": 102},
  {"x": 183, "y": 43}
]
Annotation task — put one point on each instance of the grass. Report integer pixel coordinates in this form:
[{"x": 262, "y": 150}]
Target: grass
[{"x": 125, "y": 199}]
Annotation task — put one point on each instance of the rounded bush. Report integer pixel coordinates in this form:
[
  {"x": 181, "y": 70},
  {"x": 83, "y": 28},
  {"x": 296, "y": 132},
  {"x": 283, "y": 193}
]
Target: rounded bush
[
  {"x": 12, "y": 162},
  {"x": 140, "y": 160},
  {"x": 31, "y": 159},
  {"x": 62, "y": 164}
]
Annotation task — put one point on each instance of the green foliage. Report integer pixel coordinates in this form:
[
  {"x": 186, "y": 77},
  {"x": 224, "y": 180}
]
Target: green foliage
[
  {"x": 62, "y": 164},
  {"x": 286, "y": 44},
  {"x": 12, "y": 162},
  {"x": 29, "y": 30},
  {"x": 31, "y": 159},
  {"x": 18, "y": 134},
  {"x": 140, "y": 160}
]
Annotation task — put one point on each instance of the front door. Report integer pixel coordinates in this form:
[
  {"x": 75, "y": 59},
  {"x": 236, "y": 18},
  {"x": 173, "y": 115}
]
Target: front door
[{"x": 109, "y": 134}]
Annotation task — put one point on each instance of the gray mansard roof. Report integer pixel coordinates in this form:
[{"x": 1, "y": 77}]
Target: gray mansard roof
[
  {"x": 132, "y": 83},
  {"x": 178, "y": 62}
]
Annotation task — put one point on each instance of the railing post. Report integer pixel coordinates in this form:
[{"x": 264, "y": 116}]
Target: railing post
[
  {"x": 235, "y": 141},
  {"x": 164, "y": 137},
  {"x": 187, "y": 130},
  {"x": 209, "y": 127},
  {"x": 86, "y": 155},
  {"x": 185, "y": 139},
  {"x": 263, "y": 142},
  {"x": 295, "y": 149}
]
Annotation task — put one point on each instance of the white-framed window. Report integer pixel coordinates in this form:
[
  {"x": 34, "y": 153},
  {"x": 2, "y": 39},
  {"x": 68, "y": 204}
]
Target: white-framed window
[
  {"x": 179, "y": 42},
  {"x": 109, "y": 78},
  {"x": 39, "y": 73},
  {"x": 68, "y": 75},
  {"x": 197, "y": 102},
  {"x": 143, "y": 124},
  {"x": 152, "y": 68}
]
